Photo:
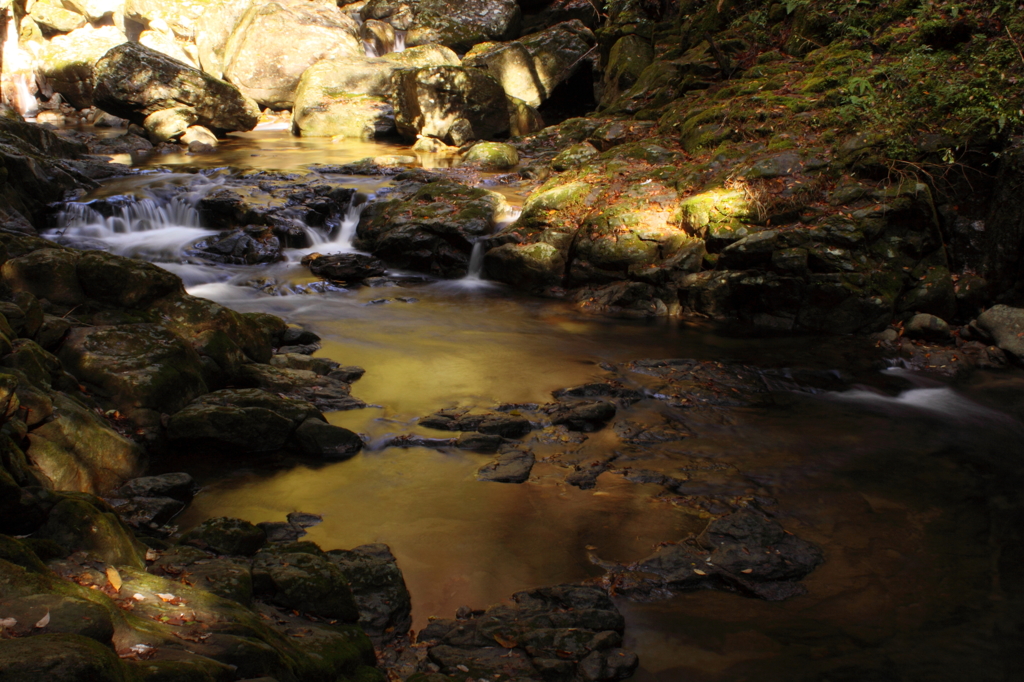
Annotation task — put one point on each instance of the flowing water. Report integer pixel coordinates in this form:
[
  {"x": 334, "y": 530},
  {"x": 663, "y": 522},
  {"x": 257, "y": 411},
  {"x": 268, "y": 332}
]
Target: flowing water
[{"x": 910, "y": 485}]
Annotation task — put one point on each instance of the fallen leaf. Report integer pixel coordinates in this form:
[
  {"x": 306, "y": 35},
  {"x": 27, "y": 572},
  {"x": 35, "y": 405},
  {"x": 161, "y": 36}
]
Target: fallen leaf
[
  {"x": 44, "y": 621},
  {"x": 138, "y": 597},
  {"x": 7, "y": 623},
  {"x": 747, "y": 570},
  {"x": 115, "y": 578},
  {"x": 165, "y": 597},
  {"x": 151, "y": 555},
  {"x": 699, "y": 572},
  {"x": 462, "y": 668}
]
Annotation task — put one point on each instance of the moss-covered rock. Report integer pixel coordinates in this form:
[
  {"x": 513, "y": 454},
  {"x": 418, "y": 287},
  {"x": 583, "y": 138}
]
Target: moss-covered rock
[
  {"x": 301, "y": 577},
  {"x": 141, "y": 369},
  {"x": 83, "y": 523},
  {"x": 496, "y": 156},
  {"x": 249, "y": 420},
  {"x": 61, "y": 658}
]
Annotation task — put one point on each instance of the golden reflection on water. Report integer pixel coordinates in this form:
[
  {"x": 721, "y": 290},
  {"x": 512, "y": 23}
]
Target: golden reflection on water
[{"x": 457, "y": 540}]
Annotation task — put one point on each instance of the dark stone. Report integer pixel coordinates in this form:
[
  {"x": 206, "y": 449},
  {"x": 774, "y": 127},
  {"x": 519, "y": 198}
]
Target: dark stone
[
  {"x": 379, "y": 590},
  {"x": 347, "y": 267},
  {"x": 133, "y": 81},
  {"x": 179, "y": 486},
  {"x": 299, "y": 576},
  {"x": 325, "y": 441},
  {"x": 588, "y": 416},
  {"x": 510, "y": 467},
  {"x": 225, "y": 535}
]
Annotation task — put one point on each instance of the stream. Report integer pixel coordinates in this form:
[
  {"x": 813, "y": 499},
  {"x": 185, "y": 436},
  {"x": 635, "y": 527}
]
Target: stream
[{"x": 909, "y": 484}]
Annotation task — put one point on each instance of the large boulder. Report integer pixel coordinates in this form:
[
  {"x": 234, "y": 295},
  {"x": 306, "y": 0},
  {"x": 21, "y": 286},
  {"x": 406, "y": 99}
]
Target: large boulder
[
  {"x": 214, "y": 28},
  {"x": 533, "y": 66},
  {"x": 250, "y": 420},
  {"x": 350, "y": 96},
  {"x": 134, "y": 81},
  {"x": 459, "y": 25},
  {"x": 431, "y": 227},
  {"x": 59, "y": 657},
  {"x": 274, "y": 43},
  {"x": 144, "y": 370},
  {"x": 68, "y": 61},
  {"x": 1006, "y": 326},
  {"x": 451, "y": 103},
  {"x": 180, "y": 16}
]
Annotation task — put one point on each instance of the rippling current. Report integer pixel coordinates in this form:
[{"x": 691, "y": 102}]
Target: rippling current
[{"x": 909, "y": 484}]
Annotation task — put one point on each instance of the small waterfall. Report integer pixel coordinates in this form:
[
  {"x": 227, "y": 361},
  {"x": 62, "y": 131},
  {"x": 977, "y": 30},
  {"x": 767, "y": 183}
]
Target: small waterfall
[
  {"x": 399, "y": 45},
  {"x": 476, "y": 262},
  {"x": 347, "y": 232},
  {"x": 370, "y": 48},
  {"x": 144, "y": 228}
]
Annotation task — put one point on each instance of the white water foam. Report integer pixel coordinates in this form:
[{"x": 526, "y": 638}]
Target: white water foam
[{"x": 143, "y": 229}]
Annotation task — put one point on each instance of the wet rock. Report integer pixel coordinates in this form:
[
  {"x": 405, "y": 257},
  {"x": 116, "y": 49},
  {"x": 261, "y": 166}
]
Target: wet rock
[
  {"x": 601, "y": 389},
  {"x": 144, "y": 513},
  {"x": 325, "y": 441},
  {"x": 378, "y": 589},
  {"x": 924, "y": 326},
  {"x": 177, "y": 485},
  {"x": 531, "y": 266},
  {"x": 273, "y": 44},
  {"x": 586, "y": 416},
  {"x": 168, "y": 125},
  {"x": 429, "y": 228},
  {"x": 124, "y": 87},
  {"x": 281, "y": 531},
  {"x": 124, "y": 282},
  {"x": 483, "y": 443},
  {"x": 326, "y": 392},
  {"x": 226, "y": 535},
  {"x": 251, "y": 245},
  {"x": 299, "y": 576},
  {"x": 250, "y": 420},
  {"x": 743, "y": 552},
  {"x": 451, "y": 103},
  {"x": 45, "y": 273},
  {"x": 510, "y": 467},
  {"x": 346, "y": 267},
  {"x": 190, "y": 318},
  {"x": 1006, "y": 326},
  {"x": 496, "y": 423}
]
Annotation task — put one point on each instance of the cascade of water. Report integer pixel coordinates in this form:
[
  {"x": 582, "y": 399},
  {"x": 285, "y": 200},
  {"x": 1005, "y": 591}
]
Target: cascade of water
[
  {"x": 347, "y": 232},
  {"x": 399, "y": 45},
  {"x": 144, "y": 228},
  {"x": 370, "y": 48},
  {"x": 476, "y": 262}
]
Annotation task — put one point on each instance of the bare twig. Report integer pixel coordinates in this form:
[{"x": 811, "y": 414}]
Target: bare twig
[
  {"x": 1015, "y": 44},
  {"x": 723, "y": 61}
]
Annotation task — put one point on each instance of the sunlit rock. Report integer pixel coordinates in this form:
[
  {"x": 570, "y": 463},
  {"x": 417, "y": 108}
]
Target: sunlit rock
[
  {"x": 133, "y": 81},
  {"x": 273, "y": 44},
  {"x": 459, "y": 25},
  {"x": 451, "y": 103}
]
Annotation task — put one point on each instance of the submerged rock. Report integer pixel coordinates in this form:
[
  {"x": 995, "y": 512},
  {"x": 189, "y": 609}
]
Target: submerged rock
[
  {"x": 345, "y": 267},
  {"x": 509, "y": 467}
]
